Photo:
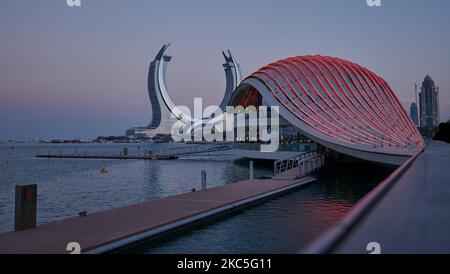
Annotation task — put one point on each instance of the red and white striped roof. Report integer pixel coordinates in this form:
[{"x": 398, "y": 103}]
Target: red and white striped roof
[{"x": 338, "y": 102}]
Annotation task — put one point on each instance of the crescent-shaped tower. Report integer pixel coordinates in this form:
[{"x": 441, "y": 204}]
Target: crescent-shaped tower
[{"x": 164, "y": 110}]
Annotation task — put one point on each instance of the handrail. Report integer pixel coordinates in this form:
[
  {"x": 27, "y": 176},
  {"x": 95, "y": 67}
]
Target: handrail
[
  {"x": 179, "y": 151},
  {"x": 332, "y": 238},
  {"x": 293, "y": 161}
]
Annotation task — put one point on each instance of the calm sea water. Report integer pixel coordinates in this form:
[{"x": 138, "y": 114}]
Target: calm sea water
[
  {"x": 68, "y": 186},
  {"x": 283, "y": 225}
]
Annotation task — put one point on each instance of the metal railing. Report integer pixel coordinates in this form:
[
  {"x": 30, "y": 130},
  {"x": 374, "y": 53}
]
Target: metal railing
[
  {"x": 311, "y": 165},
  {"x": 307, "y": 162},
  {"x": 193, "y": 149}
]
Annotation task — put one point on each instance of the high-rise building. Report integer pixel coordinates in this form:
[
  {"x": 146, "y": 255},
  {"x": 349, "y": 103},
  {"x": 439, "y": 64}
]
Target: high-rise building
[
  {"x": 429, "y": 103},
  {"x": 414, "y": 114},
  {"x": 164, "y": 111}
]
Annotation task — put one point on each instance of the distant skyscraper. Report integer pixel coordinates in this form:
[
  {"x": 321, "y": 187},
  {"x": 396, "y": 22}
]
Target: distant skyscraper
[
  {"x": 414, "y": 114},
  {"x": 429, "y": 103}
]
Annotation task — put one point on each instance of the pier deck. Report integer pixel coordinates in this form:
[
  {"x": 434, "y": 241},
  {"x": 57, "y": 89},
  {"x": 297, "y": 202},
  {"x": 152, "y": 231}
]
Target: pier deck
[
  {"x": 411, "y": 215},
  {"x": 115, "y": 228},
  {"x": 158, "y": 154},
  {"x": 107, "y": 157}
]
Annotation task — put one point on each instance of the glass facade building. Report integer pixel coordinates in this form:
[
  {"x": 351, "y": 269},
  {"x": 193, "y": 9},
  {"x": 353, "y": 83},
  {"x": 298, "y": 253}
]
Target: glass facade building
[{"x": 429, "y": 103}]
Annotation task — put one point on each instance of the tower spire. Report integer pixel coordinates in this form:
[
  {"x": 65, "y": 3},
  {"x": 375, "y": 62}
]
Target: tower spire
[{"x": 416, "y": 93}]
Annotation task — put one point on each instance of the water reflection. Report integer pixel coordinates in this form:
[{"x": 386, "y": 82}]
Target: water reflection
[{"x": 288, "y": 223}]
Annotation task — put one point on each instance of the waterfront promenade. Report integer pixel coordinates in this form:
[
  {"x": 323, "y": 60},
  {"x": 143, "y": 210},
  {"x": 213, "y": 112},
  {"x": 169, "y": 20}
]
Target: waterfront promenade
[
  {"x": 407, "y": 213},
  {"x": 108, "y": 230}
]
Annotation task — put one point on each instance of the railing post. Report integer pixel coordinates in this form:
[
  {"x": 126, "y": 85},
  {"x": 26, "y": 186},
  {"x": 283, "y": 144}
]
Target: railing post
[
  {"x": 25, "y": 207},
  {"x": 251, "y": 170},
  {"x": 203, "y": 179}
]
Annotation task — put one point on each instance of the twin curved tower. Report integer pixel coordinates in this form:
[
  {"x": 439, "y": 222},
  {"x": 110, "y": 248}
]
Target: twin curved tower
[{"x": 164, "y": 110}]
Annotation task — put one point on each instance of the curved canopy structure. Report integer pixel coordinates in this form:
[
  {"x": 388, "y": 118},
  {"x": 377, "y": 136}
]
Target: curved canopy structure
[{"x": 336, "y": 103}]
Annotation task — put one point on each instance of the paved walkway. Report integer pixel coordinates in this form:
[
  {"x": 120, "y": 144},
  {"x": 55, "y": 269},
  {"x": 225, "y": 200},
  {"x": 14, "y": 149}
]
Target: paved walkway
[
  {"x": 414, "y": 215},
  {"x": 112, "y": 228}
]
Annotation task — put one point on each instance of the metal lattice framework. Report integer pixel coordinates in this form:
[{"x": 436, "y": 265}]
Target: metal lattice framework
[{"x": 337, "y": 103}]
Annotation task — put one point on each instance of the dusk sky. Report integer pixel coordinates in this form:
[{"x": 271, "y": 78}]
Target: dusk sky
[{"x": 81, "y": 72}]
